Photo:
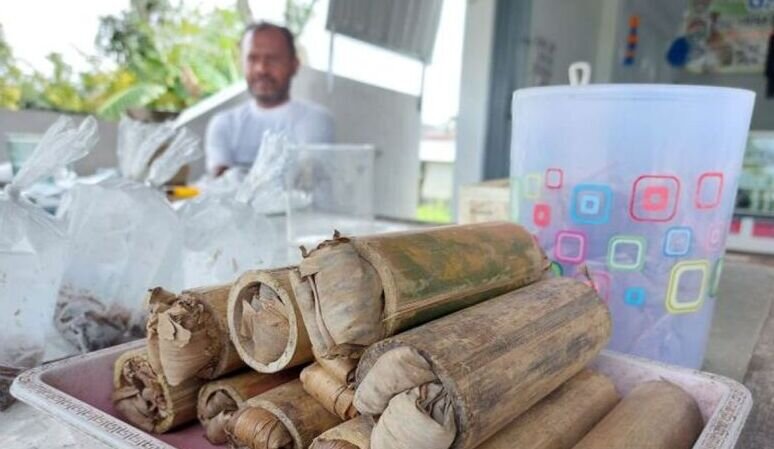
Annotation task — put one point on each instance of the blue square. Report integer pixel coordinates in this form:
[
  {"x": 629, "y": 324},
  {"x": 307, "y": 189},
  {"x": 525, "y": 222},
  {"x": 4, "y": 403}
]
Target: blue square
[
  {"x": 591, "y": 203},
  {"x": 678, "y": 241},
  {"x": 635, "y": 296}
]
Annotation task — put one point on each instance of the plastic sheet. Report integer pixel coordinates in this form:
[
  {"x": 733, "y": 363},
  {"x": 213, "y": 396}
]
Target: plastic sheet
[
  {"x": 32, "y": 251},
  {"x": 226, "y": 234},
  {"x": 125, "y": 239}
]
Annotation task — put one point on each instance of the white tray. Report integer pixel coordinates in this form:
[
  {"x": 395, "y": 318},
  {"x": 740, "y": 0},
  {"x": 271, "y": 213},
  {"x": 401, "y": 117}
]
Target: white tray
[{"x": 77, "y": 390}]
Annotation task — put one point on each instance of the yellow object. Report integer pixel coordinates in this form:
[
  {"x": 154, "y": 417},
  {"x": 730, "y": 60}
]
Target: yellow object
[{"x": 182, "y": 192}]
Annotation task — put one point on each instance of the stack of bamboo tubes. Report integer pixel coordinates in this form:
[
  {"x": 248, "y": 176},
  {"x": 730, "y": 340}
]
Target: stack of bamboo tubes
[{"x": 452, "y": 337}]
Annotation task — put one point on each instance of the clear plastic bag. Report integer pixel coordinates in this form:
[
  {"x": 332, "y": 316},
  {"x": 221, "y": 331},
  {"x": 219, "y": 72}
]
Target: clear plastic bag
[
  {"x": 32, "y": 251},
  {"x": 264, "y": 185},
  {"x": 124, "y": 239},
  {"x": 224, "y": 234}
]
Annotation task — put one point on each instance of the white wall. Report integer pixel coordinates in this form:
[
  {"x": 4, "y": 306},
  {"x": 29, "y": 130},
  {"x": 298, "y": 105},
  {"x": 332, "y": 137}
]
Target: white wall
[
  {"x": 660, "y": 21},
  {"x": 363, "y": 114},
  {"x": 562, "y": 32},
  {"x": 390, "y": 120}
]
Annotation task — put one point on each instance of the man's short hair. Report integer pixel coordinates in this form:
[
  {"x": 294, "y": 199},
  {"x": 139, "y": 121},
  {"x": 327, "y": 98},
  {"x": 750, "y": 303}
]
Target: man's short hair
[{"x": 253, "y": 28}]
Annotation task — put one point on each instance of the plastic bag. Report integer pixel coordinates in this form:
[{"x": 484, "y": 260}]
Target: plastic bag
[
  {"x": 33, "y": 246},
  {"x": 124, "y": 239},
  {"x": 224, "y": 234},
  {"x": 264, "y": 186}
]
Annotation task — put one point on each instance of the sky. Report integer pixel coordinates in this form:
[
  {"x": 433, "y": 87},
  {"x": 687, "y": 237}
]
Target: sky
[{"x": 35, "y": 28}]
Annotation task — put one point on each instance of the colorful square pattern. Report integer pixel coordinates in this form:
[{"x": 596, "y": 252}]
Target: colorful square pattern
[
  {"x": 554, "y": 178},
  {"x": 654, "y": 198},
  {"x": 600, "y": 281},
  {"x": 683, "y": 297},
  {"x": 570, "y": 246},
  {"x": 533, "y": 183},
  {"x": 678, "y": 241},
  {"x": 591, "y": 203},
  {"x": 709, "y": 190},
  {"x": 635, "y": 297},
  {"x": 716, "y": 272},
  {"x": 541, "y": 215},
  {"x": 626, "y": 253}
]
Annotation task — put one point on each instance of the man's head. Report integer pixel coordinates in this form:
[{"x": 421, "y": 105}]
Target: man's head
[{"x": 269, "y": 57}]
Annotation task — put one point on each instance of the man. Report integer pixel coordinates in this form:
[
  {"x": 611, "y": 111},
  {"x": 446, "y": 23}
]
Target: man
[{"x": 270, "y": 62}]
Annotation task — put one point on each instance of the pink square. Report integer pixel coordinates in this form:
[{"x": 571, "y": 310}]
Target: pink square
[
  {"x": 570, "y": 246},
  {"x": 600, "y": 281},
  {"x": 656, "y": 198},
  {"x": 554, "y": 178},
  {"x": 709, "y": 190},
  {"x": 715, "y": 236},
  {"x": 541, "y": 215}
]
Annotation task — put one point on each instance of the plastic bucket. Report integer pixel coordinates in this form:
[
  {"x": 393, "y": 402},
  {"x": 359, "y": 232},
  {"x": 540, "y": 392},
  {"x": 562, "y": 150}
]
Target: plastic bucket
[{"x": 633, "y": 186}]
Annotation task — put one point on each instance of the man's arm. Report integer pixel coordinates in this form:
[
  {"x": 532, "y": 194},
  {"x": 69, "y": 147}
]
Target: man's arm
[{"x": 216, "y": 146}]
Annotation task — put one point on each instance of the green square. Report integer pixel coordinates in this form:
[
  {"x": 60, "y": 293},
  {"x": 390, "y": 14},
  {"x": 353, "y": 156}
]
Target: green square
[{"x": 639, "y": 261}]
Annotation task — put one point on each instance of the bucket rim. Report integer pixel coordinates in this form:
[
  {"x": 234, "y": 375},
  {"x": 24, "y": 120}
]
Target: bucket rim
[{"x": 636, "y": 91}]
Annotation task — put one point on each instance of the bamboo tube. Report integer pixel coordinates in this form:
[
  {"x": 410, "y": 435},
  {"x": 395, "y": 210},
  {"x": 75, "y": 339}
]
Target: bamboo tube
[
  {"x": 352, "y": 434},
  {"x": 342, "y": 369},
  {"x": 354, "y": 292},
  {"x": 333, "y": 394},
  {"x": 188, "y": 334},
  {"x": 264, "y": 321},
  {"x": 218, "y": 400},
  {"x": 484, "y": 376},
  {"x": 285, "y": 417},
  {"x": 561, "y": 419},
  {"x": 654, "y": 415},
  {"x": 156, "y": 301},
  {"x": 146, "y": 400}
]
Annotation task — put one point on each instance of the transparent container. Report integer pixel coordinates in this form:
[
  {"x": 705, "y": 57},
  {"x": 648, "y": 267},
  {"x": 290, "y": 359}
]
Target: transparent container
[
  {"x": 19, "y": 147},
  {"x": 327, "y": 188},
  {"x": 634, "y": 186}
]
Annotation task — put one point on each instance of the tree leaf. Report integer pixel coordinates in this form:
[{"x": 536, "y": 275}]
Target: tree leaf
[{"x": 134, "y": 96}]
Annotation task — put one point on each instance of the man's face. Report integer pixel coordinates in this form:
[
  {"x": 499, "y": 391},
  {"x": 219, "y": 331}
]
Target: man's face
[{"x": 269, "y": 66}]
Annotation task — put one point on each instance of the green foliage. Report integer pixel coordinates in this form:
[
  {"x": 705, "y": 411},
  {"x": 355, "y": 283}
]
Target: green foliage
[
  {"x": 188, "y": 53},
  {"x": 435, "y": 212},
  {"x": 164, "y": 57},
  {"x": 297, "y": 14},
  {"x": 136, "y": 95}
]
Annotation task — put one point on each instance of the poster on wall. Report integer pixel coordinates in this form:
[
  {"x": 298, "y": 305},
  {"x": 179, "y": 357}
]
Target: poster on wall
[{"x": 728, "y": 36}]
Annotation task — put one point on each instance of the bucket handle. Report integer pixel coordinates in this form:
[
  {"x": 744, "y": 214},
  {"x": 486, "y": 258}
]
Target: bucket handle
[{"x": 579, "y": 73}]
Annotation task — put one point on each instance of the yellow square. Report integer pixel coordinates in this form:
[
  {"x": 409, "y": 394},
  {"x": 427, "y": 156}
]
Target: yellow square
[
  {"x": 533, "y": 183},
  {"x": 675, "y": 306}
]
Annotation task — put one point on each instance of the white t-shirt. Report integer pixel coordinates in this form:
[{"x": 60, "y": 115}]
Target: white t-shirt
[{"x": 234, "y": 135}]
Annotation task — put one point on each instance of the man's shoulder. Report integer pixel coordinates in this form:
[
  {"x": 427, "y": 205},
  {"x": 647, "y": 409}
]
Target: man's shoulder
[
  {"x": 233, "y": 114},
  {"x": 311, "y": 109}
]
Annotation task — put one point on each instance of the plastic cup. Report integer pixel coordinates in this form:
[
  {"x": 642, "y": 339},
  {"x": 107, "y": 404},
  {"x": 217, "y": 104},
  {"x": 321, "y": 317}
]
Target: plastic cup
[
  {"x": 327, "y": 188},
  {"x": 20, "y": 146},
  {"x": 632, "y": 187}
]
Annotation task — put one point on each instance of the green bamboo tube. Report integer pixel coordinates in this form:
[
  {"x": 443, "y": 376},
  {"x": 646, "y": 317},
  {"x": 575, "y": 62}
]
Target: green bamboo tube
[{"x": 354, "y": 292}]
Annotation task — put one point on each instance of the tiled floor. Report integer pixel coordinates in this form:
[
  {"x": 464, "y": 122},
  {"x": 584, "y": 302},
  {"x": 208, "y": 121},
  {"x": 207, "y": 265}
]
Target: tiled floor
[{"x": 742, "y": 340}]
